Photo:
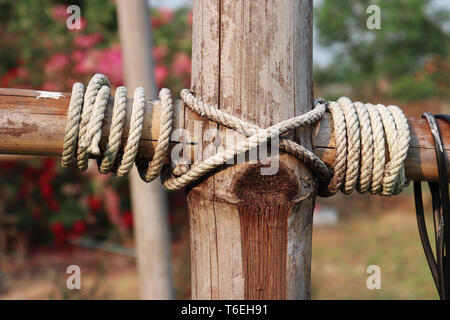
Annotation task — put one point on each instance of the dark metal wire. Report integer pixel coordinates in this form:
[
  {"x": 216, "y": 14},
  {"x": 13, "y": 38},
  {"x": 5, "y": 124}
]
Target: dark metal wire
[{"x": 439, "y": 265}]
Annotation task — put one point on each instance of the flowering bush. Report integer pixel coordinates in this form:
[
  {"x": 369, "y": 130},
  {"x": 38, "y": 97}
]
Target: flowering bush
[
  {"x": 39, "y": 52},
  {"x": 172, "y": 33}
]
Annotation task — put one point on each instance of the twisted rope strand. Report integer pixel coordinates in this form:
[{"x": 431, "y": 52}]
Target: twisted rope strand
[
  {"x": 391, "y": 134},
  {"x": 94, "y": 86},
  {"x": 360, "y": 131},
  {"x": 72, "y": 125},
  {"x": 248, "y": 129},
  {"x": 162, "y": 145},
  {"x": 93, "y": 128},
  {"x": 353, "y": 146},
  {"x": 368, "y": 129},
  {"x": 366, "y": 166},
  {"x": 402, "y": 145},
  {"x": 115, "y": 133},
  {"x": 137, "y": 119},
  {"x": 378, "y": 148}
]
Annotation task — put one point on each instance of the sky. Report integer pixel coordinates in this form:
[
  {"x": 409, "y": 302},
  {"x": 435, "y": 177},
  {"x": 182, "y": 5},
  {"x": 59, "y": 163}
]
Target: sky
[
  {"x": 321, "y": 55},
  {"x": 170, "y": 3}
]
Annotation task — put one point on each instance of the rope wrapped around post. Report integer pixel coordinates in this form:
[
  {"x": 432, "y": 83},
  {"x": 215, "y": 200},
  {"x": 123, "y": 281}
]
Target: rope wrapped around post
[{"x": 361, "y": 132}]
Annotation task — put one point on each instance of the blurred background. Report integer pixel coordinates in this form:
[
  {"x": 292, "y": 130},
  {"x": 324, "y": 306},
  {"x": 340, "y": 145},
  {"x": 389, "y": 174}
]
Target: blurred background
[{"x": 51, "y": 218}]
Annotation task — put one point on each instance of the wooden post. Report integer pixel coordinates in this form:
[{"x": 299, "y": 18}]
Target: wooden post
[
  {"x": 148, "y": 199},
  {"x": 251, "y": 233}
]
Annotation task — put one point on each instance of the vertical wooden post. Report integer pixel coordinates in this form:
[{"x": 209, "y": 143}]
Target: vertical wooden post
[
  {"x": 148, "y": 199},
  {"x": 251, "y": 233}
]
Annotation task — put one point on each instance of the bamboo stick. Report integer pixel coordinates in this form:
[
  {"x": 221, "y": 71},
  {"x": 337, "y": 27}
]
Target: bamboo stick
[
  {"x": 251, "y": 233},
  {"x": 32, "y": 123}
]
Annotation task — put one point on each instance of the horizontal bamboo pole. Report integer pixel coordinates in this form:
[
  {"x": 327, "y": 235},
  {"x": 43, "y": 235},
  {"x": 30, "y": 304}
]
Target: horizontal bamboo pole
[{"x": 33, "y": 123}]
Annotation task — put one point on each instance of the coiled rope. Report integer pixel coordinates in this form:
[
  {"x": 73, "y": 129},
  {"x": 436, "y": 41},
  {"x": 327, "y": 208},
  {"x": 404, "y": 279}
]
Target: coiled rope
[
  {"x": 84, "y": 121},
  {"x": 361, "y": 132}
]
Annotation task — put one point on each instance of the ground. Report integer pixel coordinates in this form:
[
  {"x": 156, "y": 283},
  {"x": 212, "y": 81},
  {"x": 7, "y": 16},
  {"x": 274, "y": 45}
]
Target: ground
[{"x": 376, "y": 231}]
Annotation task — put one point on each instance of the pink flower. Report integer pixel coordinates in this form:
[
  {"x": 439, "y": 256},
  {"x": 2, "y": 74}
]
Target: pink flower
[
  {"x": 160, "y": 52},
  {"x": 110, "y": 63},
  {"x": 84, "y": 67},
  {"x": 83, "y": 24},
  {"x": 88, "y": 40},
  {"x": 163, "y": 17},
  {"x": 166, "y": 15},
  {"x": 161, "y": 73},
  {"x": 59, "y": 13},
  {"x": 81, "y": 68},
  {"x": 56, "y": 63},
  {"x": 22, "y": 73},
  {"x": 107, "y": 61},
  {"x": 51, "y": 86},
  {"x": 78, "y": 55},
  {"x": 86, "y": 62},
  {"x": 181, "y": 64}
]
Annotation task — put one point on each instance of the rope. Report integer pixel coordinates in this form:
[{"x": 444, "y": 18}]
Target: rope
[
  {"x": 248, "y": 129},
  {"x": 84, "y": 125},
  {"x": 360, "y": 130},
  {"x": 361, "y": 133}
]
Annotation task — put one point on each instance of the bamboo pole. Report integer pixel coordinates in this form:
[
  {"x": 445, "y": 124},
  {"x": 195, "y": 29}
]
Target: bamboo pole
[
  {"x": 251, "y": 234},
  {"x": 35, "y": 126},
  {"x": 149, "y": 201}
]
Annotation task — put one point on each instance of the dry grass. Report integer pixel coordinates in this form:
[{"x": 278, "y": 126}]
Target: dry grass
[
  {"x": 371, "y": 230},
  {"x": 377, "y": 231}
]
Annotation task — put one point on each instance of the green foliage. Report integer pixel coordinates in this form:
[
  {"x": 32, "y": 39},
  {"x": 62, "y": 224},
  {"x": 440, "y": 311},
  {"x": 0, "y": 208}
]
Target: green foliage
[
  {"x": 409, "y": 89},
  {"x": 172, "y": 34},
  {"x": 411, "y": 36}
]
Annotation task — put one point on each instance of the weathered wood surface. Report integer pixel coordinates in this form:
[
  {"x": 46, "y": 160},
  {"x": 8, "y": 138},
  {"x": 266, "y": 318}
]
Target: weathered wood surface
[
  {"x": 35, "y": 126},
  {"x": 251, "y": 234},
  {"x": 148, "y": 200},
  {"x": 31, "y": 126}
]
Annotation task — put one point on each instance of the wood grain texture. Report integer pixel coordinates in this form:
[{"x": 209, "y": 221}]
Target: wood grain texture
[
  {"x": 250, "y": 58},
  {"x": 35, "y": 126},
  {"x": 31, "y": 126}
]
